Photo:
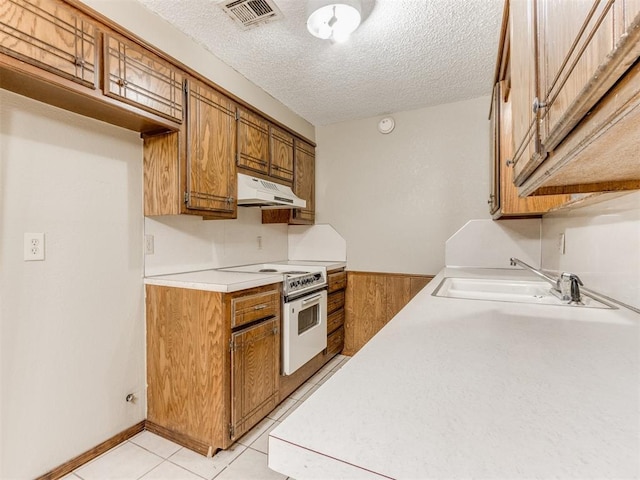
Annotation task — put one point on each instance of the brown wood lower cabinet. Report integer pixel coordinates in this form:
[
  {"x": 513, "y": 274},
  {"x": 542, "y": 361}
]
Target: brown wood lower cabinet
[
  {"x": 209, "y": 383},
  {"x": 255, "y": 371},
  {"x": 372, "y": 299}
]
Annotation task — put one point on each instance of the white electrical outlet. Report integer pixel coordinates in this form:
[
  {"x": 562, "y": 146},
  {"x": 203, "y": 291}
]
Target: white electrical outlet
[
  {"x": 148, "y": 245},
  {"x": 33, "y": 247},
  {"x": 259, "y": 242}
]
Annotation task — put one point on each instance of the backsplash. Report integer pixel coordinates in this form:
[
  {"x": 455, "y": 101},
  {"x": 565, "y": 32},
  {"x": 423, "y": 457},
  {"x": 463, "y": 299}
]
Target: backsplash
[
  {"x": 186, "y": 243},
  {"x": 602, "y": 246}
]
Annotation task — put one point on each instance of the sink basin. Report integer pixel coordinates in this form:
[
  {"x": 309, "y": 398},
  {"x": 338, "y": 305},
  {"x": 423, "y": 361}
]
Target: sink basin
[{"x": 501, "y": 290}]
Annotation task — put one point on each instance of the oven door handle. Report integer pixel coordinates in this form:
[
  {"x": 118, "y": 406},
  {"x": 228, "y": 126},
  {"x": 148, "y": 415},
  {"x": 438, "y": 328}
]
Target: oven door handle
[{"x": 311, "y": 300}]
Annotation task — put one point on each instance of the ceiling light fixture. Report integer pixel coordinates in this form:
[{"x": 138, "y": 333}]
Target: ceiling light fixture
[{"x": 331, "y": 20}]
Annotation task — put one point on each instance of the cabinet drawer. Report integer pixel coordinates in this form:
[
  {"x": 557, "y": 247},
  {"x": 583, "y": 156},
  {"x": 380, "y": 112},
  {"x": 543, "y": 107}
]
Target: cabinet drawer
[
  {"x": 335, "y": 301},
  {"x": 337, "y": 281},
  {"x": 50, "y": 35},
  {"x": 254, "y": 307},
  {"x": 140, "y": 78},
  {"x": 335, "y": 320},
  {"x": 335, "y": 342}
]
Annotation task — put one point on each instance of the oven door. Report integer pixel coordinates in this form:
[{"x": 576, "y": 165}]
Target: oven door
[{"x": 304, "y": 330}]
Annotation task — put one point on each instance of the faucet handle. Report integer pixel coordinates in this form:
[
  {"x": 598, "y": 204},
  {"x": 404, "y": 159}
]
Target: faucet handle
[{"x": 568, "y": 284}]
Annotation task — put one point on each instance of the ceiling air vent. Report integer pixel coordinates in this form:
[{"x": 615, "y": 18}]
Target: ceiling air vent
[{"x": 249, "y": 13}]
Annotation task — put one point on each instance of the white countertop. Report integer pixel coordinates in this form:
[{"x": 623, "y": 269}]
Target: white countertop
[
  {"x": 215, "y": 280},
  {"x": 222, "y": 280},
  {"x": 455, "y": 388}
]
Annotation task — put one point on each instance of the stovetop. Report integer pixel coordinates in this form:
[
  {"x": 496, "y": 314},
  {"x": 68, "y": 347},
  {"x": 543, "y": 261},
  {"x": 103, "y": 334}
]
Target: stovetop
[{"x": 298, "y": 279}]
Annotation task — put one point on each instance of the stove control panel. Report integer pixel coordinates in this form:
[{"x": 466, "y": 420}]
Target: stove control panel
[{"x": 303, "y": 282}]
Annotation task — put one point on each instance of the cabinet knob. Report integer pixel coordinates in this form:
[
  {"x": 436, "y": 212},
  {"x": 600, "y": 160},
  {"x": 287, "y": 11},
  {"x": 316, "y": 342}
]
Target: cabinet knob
[
  {"x": 510, "y": 163},
  {"x": 537, "y": 105},
  {"x": 122, "y": 82},
  {"x": 491, "y": 198},
  {"x": 79, "y": 62}
]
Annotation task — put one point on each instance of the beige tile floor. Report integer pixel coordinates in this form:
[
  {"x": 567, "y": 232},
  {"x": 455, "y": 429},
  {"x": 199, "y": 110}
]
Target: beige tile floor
[{"x": 150, "y": 457}]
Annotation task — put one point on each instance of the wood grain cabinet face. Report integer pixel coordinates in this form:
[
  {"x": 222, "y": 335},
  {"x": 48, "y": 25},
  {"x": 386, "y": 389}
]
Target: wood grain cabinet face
[
  {"x": 211, "y": 148},
  {"x": 569, "y": 60},
  {"x": 336, "y": 281},
  {"x": 50, "y": 35},
  {"x": 582, "y": 51},
  {"x": 524, "y": 87},
  {"x": 138, "y": 77},
  {"x": 250, "y": 308},
  {"x": 372, "y": 300},
  {"x": 209, "y": 383},
  {"x": 253, "y": 142},
  {"x": 281, "y": 165},
  {"x": 304, "y": 184},
  {"x": 504, "y": 201},
  {"x": 255, "y": 371}
]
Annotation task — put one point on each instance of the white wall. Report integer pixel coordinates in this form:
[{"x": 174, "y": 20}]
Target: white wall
[
  {"x": 396, "y": 198},
  {"x": 133, "y": 16},
  {"x": 186, "y": 243},
  {"x": 602, "y": 246},
  {"x": 72, "y": 326}
]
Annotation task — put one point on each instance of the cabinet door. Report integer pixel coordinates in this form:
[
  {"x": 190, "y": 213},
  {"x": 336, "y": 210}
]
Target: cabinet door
[
  {"x": 494, "y": 124},
  {"x": 211, "y": 147},
  {"x": 138, "y": 77},
  {"x": 281, "y": 155},
  {"x": 50, "y": 35},
  {"x": 255, "y": 371},
  {"x": 582, "y": 52},
  {"x": 253, "y": 142},
  {"x": 524, "y": 87},
  {"x": 305, "y": 182}
]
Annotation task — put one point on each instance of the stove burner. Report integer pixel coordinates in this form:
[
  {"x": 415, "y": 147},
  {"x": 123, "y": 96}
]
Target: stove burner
[{"x": 267, "y": 270}]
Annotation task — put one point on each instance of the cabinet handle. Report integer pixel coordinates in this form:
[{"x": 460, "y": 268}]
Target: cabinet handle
[
  {"x": 260, "y": 307},
  {"x": 510, "y": 163},
  {"x": 275, "y": 330},
  {"x": 79, "y": 62},
  {"x": 537, "y": 105}
]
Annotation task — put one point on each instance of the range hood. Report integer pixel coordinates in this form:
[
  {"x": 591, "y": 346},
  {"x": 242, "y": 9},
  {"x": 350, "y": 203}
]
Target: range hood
[{"x": 256, "y": 192}]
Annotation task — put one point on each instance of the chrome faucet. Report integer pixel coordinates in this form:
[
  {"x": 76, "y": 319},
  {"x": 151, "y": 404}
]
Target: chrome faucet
[{"x": 566, "y": 286}]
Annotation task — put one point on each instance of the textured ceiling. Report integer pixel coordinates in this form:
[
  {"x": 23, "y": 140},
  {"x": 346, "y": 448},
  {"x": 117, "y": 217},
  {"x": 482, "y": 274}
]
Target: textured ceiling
[{"x": 406, "y": 54}]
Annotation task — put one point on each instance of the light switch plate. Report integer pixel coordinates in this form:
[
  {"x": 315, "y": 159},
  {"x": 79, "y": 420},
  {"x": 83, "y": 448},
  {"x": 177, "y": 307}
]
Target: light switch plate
[{"x": 561, "y": 244}]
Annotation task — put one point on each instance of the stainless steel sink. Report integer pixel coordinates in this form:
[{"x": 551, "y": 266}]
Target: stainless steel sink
[{"x": 506, "y": 290}]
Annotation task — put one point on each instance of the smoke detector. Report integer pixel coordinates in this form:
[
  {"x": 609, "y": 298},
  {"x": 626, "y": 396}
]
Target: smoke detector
[{"x": 251, "y": 13}]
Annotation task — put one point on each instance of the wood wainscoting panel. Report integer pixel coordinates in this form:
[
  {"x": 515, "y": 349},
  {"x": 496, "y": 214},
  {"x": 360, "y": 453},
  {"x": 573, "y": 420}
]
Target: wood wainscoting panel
[{"x": 372, "y": 299}]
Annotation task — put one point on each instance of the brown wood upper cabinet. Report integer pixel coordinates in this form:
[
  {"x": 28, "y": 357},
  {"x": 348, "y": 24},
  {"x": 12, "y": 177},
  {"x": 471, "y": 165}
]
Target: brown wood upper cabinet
[
  {"x": 281, "y": 166},
  {"x": 211, "y": 146},
  {"x": 264, "y": 148},
  {"x": 193, "y": 170},
  {"x": 504, "y": 201},
  {"x": 565, "y": 58},
  {"x": 304, "y": 184},
  {"x": 253, "y": 142},
  {"x": 50, "y": 35},
  {"x": 141, "y": 78}
]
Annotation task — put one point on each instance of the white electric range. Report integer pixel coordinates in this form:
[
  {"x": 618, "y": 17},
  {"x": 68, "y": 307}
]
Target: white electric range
[{"x": 304, "y": 312}]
